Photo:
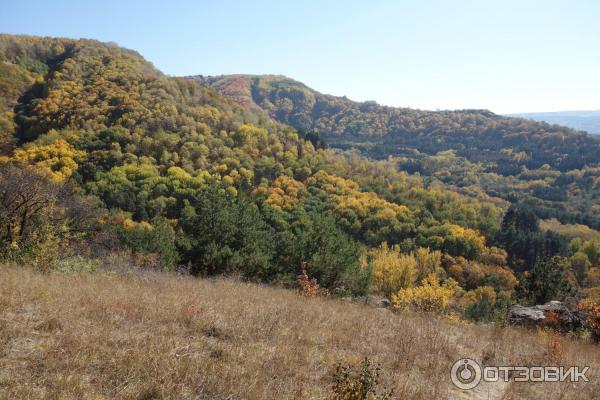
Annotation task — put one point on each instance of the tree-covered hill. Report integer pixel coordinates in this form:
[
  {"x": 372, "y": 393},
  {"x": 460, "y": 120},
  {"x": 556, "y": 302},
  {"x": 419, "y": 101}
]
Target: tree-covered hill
[
  {"x": 167, "y": 153},
  {"x": 105, "y": 158},
  {"x": 555, "y": 169}
]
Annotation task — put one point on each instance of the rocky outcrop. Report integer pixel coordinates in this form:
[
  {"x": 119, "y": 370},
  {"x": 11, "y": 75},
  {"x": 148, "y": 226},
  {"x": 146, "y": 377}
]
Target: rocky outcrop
[{"x": 554, "y": 314}]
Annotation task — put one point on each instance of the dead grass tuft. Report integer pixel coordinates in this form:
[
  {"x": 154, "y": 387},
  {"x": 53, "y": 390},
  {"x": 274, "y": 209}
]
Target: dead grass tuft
[{"x": 49, "y": 325}]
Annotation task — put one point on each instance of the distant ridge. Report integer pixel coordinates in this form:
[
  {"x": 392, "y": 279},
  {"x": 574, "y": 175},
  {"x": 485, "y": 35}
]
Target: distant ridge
[{"x": 588, "y": 121}]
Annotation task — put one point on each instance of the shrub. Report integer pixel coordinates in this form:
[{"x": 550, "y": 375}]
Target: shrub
[
  {"x": 551, "y": 320},
  {"x": 309, "y": 287},
  {"x": 580, "y": 264},
  {"x": 593, "y": 277},
  {"x": 428, "y": 262},
  {"x": 393, "y": 270},
  {"x": 157, "y": 239},
  {"x": 463, "y": 242},
  {"x": 331, "y": 256},
  {"x": 38, "y": 216},
  {"x": 477, "y": 295},
  {"x": 479, "y": 311},
  {"x": 27, "y": 209},
  {"x": 592, "y": 309},
  {"x": 485, "y": 306},
  {"x": 555, "y": 347},
  {"x": 351, "y": 383},
  {"x": 494, "y": 256},
  {"x": 501, "y": 279},
  {"x": 592, "y": 293},
  {"x": 75, "y": 264}
]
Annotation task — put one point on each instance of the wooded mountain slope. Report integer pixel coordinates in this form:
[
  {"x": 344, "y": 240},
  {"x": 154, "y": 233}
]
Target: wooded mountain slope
[
  {"x": 554, "y": 168},
  {"x": 154, "y": 147},
  {"x": 106, "y": 159}
]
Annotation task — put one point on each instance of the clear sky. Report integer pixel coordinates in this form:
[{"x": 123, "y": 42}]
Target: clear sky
[{"x": 504, "y": 55}]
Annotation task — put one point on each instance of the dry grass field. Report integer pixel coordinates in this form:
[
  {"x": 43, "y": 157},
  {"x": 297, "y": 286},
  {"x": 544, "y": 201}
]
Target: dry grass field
[{"x": 156, "y": 336}]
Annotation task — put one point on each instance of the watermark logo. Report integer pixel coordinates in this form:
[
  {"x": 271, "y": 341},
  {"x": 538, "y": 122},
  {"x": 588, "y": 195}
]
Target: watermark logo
[{"x": 467, "y": 374}]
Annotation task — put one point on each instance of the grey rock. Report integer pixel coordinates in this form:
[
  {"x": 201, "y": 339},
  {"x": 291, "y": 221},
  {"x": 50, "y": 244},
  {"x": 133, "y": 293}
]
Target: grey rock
[
  {"x": 377, "y": 301},
  {"x": 519, "y": 314},
  {"x": 533, "y": 316}
]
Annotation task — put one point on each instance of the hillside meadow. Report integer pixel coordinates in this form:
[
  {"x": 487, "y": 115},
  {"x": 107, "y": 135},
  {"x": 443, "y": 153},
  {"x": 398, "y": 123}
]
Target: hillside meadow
[{"x": 144, "y": 335}]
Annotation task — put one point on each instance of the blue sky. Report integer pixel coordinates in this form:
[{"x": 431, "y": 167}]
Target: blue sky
[{"x": 506, "y": 56}]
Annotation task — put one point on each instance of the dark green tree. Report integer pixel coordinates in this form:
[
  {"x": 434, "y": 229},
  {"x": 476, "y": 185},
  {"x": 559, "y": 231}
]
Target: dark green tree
[
  {"x": 332, "y": 256},
  {"x": 525, "y": 243},
  {"x": 545, "y": 282},
  {"x": 314, "y": 241},
  {"x": 222, "y": 234}
]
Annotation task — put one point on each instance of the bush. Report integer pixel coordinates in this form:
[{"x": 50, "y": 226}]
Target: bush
[
  {"x": 156, "y": 238},
  {"x": 39, "y": 216},
  {"x": 592, "y": 309},
  {"x": 309, "y": 287},
  {"x": 27, "y": 209},
  {"x": 479, "y": 311},
  {"x": 463, "y": 242},
  {"x": 580, "y": 264},
  {"x": 428, "y": 262},
  {"x": 485, "y": 305},
  {"x": 332, "y": 257},
  {"x": 76, "y": 264},
  {"x": 351, "y": 383},
  {"x": 475, "y": 296}
]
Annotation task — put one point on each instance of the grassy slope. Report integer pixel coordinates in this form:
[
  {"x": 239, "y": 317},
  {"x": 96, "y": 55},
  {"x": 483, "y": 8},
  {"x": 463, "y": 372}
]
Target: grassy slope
[{"x": 107, "y": 335}]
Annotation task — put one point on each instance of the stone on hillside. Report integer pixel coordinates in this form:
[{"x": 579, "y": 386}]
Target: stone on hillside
[{"x": 539, "y": 315}]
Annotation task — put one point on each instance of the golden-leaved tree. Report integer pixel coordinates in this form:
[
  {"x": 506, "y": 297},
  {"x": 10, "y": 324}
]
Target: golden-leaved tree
[
  {"x": 57, "y": 160},
  {"x": 392, "y": 270}
]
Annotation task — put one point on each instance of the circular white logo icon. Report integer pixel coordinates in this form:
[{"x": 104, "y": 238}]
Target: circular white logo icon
[{"x": 465, "y": 373}]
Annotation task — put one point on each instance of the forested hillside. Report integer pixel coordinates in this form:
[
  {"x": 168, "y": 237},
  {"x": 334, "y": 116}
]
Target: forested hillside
[
  {"x": 107, "y": 160},
  {"x": 553, "y": 168}
]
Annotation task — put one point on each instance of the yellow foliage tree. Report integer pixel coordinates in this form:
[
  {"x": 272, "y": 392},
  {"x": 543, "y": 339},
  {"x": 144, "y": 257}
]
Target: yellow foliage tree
[
  {"x": 392, "y": 270},
  {"x": 56, "y": 160},
  {"x": 430, "y": 295},
  {"x": 364, "y": 214},
  {"x": 465, "y": 240},
  {"x": 477, "y": 295},
  {"x": 428, "y": 262},
  {"x": 285, "y": 192}
]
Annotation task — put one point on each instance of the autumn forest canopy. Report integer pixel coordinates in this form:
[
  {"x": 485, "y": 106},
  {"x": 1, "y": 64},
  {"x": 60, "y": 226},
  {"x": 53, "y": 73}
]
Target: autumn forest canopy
[{"x": 106, "y": 160}]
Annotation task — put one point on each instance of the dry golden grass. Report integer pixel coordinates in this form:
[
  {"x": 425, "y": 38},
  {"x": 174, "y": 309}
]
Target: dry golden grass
[{"x": 145, "y": 336}]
